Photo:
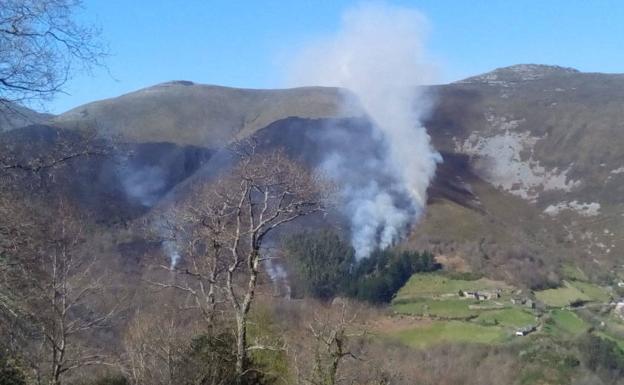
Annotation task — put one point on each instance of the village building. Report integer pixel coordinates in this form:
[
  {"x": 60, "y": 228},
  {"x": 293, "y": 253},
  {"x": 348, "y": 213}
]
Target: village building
[
  {"x": 525, "y": 330},
  {"x": 524, "y": 301},
  {"x": 480, "y": 295}
]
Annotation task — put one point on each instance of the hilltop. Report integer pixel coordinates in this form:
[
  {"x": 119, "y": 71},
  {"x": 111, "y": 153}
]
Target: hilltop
[
  {"x": 517, "y": 259},
  {"x": 532, "y": 174},
  {"x": 185, "y": 113}
]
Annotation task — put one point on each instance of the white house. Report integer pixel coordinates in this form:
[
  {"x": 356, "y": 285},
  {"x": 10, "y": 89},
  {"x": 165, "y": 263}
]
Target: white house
[{"x": 525, "y": 330}]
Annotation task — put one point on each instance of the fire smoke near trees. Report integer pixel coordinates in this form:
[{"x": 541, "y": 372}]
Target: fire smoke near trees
[{"x": 378, "y": 55}]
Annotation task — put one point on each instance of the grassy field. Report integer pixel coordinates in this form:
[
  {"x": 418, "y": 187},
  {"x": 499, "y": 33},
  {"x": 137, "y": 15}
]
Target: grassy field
[
  {"x": 562, "y": 296},
  {"x": 573, "y": 273},
  {"x": 573, "y": 291},
  {"x": 450, "y": 331},
  {"x": 435, "y": 284},
  {"x": 511, "y": 317},
  {"x": 619, "y": 342},
  {"x": 565, "y": 322},
  {"x": 594, "y": 292},
  {"x": 455, "y": 319},
  {"x": 448, "y": 308}
]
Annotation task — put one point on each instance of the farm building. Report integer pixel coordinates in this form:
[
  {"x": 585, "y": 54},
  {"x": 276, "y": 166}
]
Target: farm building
[
  {"x": 527, "y": 302},
  {"x": 525, "y": 330},
  {"x": 481, "y": 295}
]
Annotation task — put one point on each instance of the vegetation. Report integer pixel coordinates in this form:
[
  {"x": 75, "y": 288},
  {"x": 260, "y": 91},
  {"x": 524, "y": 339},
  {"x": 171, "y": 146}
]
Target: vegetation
[
  {"x": 436, "y": 332},
  {"x": 209, "y": 318},
  {"x": 446, "y": 309},
  {"x": 562, "y": 296},
  {"x": 566, "y": 322},
  {"x": 573, "y": 273},
  {"x": 320, "y": 261},
  {"x": 435, "y": 285},
  {"x": 325, "y": 267},
  {"x": 547, "y": 360},
  {"x": 43, "y": 45},
  {"x": 511, "y": 317},
  {"x": 592, "y": 291},
  {"x": 377, "y": 278},
  {"x": 10, "y": 372},
  {"x": 603, "y": 356}
]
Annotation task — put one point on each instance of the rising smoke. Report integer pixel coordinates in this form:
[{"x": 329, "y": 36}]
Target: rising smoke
[{"x": 378, "y": 55}]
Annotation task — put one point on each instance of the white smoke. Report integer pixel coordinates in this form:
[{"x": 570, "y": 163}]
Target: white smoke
[
  {"x": 171, "y": 250},
  {"x": 279, "y": 277},
  {"x": 378, "y": 55},
  {"x": 142, "y": 183}
]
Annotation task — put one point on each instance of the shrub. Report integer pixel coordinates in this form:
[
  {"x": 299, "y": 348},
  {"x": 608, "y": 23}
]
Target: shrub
[
  {"x": 10, "y": 372},
  {"x": 209, "y": 357},
  {"x": 602, "y": 355}
]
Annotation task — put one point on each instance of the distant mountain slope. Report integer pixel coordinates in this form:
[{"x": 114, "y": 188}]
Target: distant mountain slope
[
  {"x": 191, "y": 114},
  {"x": 533, "y": 172},
  {"x": 15, "y": 116},
  {"x": 553, "y": 137}
]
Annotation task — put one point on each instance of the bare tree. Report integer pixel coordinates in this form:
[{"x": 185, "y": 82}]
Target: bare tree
[
  {"x": 263, "y": 192},
  {"x": 23, "y": 171},
  {"x": 235, "y": 217},
  {"x": 167, "y": 345},
  {"x": 333, "y": 332},
  {"x": 155, "y": 343},
  {"x": 60, "y": 299},
  {"x": 196, "y": 229},
  {"x": 41, "y": 46},
  {"x": 20, "y": 159},
  {"x": 50, "y": 292}
]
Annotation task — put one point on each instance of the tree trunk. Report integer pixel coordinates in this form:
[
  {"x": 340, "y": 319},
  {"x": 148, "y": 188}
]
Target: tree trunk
[
  {"x": 241, "y": 317},
  {"x": 241, "y": 346}
]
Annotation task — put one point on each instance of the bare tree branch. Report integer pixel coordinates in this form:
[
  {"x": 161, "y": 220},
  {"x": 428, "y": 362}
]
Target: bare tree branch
[{"x": 41, "y": 46}]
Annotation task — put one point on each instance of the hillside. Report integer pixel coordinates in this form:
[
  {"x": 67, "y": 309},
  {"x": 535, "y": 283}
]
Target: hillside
[
  {"x": 14, "y": 116},
  {"x": 532, "y": 174},
  {"x": 512, "y": 275},
  {"x": 186, "y": 113},
  {"x": 551, "y": 137}
]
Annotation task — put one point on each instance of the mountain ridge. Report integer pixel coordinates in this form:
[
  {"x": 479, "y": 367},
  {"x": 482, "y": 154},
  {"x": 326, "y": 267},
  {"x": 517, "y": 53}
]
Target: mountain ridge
[{"x": 543, "y": 151}]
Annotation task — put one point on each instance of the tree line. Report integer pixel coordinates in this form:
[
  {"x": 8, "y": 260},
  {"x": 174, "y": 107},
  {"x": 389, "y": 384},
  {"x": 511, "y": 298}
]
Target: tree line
[
  {"x": 324, "y": 266},
  {"x": 59, "y": 305}
]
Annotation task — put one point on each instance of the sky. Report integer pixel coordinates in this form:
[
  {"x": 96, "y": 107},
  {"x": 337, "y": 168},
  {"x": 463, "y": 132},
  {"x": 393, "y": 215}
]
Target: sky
[{"x": 246, "y": 43}]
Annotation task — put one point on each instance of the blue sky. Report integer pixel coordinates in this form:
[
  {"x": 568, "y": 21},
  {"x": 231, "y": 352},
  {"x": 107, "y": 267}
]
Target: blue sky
[{"x": 240, "y": 43}]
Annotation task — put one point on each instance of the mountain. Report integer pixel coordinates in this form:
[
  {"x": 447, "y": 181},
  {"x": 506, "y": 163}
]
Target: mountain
[
  {"x": 549, "y": 144},
  {"x": 13, "y": 116},
  {"x": 531, "y": 181},
  {"x": 185, "y": 113}
]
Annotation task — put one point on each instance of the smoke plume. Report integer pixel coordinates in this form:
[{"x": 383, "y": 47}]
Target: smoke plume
[
  {"x": 378, "y": 56},
  {"x": 142, "y": 183}
]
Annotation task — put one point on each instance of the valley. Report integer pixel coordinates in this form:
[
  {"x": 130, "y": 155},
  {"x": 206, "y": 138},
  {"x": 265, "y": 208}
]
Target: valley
[
  {"x": 352, "y": 192},
  {"x": 516, "y": 259}
]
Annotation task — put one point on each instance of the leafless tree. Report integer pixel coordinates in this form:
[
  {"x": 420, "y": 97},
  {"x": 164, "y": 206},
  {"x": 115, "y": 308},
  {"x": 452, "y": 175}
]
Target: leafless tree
[
  {"x": 154, "y": 343},
  {"x": 196, "y": 229},
  {"x": 17, "y": 159},
  {"x": 22, "y": 172},
  {"x": 60, "y": 300},
  {"x": 169, "y": 346},
  {"x": 333, "y": 331},
  {"x": 232, "y": 221},
  {"x": 41, "y": 46},
  {"x": 24, "y": 166},
  {"x": 263, "y": 192}
]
